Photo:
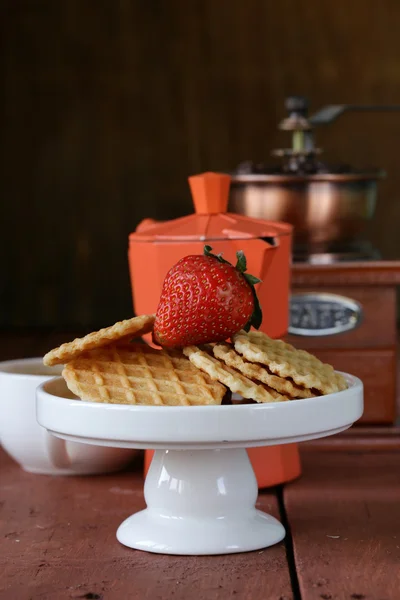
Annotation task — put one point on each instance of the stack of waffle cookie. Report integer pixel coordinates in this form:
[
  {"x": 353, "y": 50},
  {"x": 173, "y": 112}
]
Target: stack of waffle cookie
[
  {"x": 265, "y": 370},
  {"x": 107, "y": 366}
]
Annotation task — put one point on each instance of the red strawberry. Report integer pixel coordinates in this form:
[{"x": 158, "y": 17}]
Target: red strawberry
[{"x": 206, "y": 299}]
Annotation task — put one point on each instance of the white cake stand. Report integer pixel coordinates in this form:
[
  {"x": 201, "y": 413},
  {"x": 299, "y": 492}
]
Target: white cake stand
[{"x": 200, "y": 490}]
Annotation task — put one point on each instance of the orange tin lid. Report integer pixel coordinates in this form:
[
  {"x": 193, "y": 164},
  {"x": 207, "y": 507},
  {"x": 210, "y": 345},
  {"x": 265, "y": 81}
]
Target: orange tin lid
[{"x": 210, "y": 192}]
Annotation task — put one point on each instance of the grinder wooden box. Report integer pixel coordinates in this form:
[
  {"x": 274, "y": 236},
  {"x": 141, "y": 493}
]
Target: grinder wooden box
[{"x": 369, "y": 350}]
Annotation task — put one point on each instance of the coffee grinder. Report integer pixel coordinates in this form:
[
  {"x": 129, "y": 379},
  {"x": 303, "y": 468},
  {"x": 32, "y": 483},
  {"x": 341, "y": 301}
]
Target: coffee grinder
[{"x": 343, "y": 301}]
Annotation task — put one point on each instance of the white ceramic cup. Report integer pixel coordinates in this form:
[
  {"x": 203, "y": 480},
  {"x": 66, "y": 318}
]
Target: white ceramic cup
[{"x": 30, "y": 444}]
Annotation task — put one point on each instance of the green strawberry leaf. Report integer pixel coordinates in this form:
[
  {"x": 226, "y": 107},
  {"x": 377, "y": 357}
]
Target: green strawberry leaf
[
  {"x": 241, "y": 264},
  {"x": 251, "y": 279},
  {"x": 256, "y": 317}
]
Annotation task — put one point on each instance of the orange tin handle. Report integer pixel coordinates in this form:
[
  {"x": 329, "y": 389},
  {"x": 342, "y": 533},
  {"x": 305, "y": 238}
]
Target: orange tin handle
[{"x": 210, "y": 192}]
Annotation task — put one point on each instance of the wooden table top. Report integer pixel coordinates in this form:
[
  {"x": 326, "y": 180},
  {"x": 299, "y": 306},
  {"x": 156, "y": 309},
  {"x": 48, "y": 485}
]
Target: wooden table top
[{"x": 57, "y": 534}]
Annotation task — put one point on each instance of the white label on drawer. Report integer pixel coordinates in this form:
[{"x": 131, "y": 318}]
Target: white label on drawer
[{"x": 319, "y": 314}]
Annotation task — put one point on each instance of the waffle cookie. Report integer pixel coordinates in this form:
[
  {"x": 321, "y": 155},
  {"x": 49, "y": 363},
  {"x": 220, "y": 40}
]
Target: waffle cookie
[
  {"x": 121, "y": 331},
  {"x": 235, "y": 381},
  {"x": 284, "y": 360},
  {"x": 137, "y": 374},
  {"x": 259, "y": 373}
]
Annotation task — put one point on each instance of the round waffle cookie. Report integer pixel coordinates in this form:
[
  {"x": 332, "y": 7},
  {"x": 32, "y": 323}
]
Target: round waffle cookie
[
  {"x": 123, "y": 330},
  {"x": 235, "y": 381},
  {"x": 137, "y": 374},
  {"x": 259, "y": 373},
  {"x": 286, "y": 361}
]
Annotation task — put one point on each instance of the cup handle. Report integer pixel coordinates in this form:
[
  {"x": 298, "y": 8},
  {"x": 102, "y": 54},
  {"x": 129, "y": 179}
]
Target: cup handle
[{"x": 57, "y": 452}]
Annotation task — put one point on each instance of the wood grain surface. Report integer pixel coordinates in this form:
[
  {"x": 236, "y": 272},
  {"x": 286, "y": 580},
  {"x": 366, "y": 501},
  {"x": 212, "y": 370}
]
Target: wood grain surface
[
  {"x": 57, "y": 542},
  {"x": 358, "y": 439},
  {"x": 107, "y": 109},
  {"x": 344, "y": 515}
]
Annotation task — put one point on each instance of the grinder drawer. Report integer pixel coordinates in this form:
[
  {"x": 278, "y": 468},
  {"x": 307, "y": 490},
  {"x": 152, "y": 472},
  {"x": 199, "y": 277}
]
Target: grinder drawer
[
  {"x": 377, "y": 370},
  {"x": 377, "y": 327}
]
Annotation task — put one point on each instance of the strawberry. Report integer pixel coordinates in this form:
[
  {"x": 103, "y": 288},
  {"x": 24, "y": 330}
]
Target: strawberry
[{"x": 206, "y": 299}]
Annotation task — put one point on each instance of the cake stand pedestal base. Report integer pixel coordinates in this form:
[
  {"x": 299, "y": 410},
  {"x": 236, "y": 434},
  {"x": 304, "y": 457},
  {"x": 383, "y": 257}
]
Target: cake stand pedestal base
[{"x": 200, "y": 502}]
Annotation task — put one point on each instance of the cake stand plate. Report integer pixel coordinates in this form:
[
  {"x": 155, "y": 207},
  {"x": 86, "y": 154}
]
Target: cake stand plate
[{"x": 200, "y": 489}]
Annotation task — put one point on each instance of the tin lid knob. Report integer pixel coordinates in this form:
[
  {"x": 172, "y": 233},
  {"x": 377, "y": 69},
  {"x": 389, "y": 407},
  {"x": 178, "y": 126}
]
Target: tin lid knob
[{"x": 210, "y": 192}]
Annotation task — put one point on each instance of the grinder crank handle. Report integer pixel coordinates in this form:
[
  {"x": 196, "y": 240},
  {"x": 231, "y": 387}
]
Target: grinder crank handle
[{"x": 333, "y": 111}]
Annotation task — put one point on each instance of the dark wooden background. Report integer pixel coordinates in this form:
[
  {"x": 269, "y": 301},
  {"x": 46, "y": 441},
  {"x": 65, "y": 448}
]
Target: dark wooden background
[{"x": 109, "y": 106}]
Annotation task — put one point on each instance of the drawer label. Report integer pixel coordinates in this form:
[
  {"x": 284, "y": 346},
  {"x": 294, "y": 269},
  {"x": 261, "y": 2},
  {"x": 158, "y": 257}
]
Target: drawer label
[{"x": 319, "y": 314}]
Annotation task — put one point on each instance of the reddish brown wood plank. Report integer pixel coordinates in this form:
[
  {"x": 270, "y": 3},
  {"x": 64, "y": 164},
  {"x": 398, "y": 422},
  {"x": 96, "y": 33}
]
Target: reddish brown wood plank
[
  {"x": 344, "y": 515},
  {"x": 57, "y": 540},
  {"x": 358, "y": 439},
  {"x": 357, "y": 273}
]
